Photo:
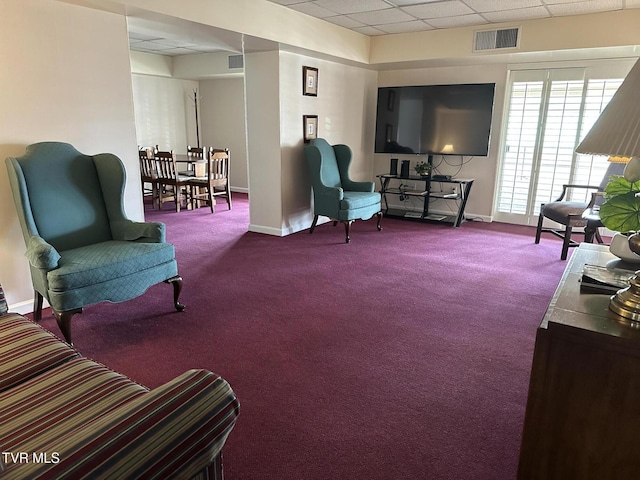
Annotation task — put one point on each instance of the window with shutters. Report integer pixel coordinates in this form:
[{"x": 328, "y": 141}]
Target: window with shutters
[{"x": 548, "y": 113}]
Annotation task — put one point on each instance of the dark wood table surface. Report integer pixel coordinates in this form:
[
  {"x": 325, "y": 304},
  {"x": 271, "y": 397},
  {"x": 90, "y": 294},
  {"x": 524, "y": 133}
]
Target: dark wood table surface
[{"x": 582, "y": 419}]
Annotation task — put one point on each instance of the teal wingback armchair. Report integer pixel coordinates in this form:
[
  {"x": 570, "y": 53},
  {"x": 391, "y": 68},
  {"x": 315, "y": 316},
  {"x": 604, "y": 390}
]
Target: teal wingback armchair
[
  {"x": 81, "y": 247},
  {"x": 335, "y": 195}
]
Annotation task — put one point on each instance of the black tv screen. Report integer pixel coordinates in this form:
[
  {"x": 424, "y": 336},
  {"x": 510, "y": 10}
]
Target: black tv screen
[{"x": 435, "y": 119}]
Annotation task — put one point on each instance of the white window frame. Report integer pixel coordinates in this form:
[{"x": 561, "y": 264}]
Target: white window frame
[{"x": 588, "y": 70}]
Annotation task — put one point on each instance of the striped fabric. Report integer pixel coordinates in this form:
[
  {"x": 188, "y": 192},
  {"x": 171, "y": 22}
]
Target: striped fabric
[
  {"x": 99, "y": 424},
  {"x": 27, "y": 350}
]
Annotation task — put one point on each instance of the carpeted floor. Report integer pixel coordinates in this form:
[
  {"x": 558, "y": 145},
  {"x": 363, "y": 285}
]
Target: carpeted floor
[{"x": 403, "y": 355}]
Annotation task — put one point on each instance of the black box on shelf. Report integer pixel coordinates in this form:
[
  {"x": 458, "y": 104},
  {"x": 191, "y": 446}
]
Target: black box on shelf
[
  {"x": 394, "y": 167},
  {"x": 404, "y": 169}
]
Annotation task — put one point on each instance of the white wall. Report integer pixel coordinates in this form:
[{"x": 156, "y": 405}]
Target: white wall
[
  {"x": 151, "y": 64},
  {"x": 164, "y": 112},
  {"x": 482, "y": 169},
  {"x": 345, "y": 106},
  {"x": 63, "y": 66},
  {"x": 278, "y": 174},
  {"x": 263, "y": 141},
  {"x": 164, "y": 109},
  {"x": 259, "y": 18},
  {"x": 223, "y": 124},
  {"x": 204, "y": 65},
  {"x": 555, "y": 37}
]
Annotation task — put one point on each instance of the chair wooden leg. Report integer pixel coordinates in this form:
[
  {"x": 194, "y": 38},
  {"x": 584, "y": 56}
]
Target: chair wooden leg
[
  {"x": 212, "y": 204},
  {"x": 379, "y": 215},
  {"x": 177, "y": 288},
  {"x": 599, "y": 237},
  {"x": 566, "y": 243},
  {"x": 347, "y": 230},
  {"x": 37, "y": 306},
  {"x": 313, "y": 225},
  {"x": 539, "y": 229},
  {"x": 64, "y": 322},
  {"x": 228, "y": 197}
]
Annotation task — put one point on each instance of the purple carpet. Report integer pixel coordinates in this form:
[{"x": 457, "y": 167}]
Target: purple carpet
[{"x": 403, "y": 355}]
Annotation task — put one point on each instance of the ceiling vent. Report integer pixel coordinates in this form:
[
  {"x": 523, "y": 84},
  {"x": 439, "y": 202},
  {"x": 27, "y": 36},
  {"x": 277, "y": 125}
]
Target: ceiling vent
[
  {"x": 496, "y": 39},
  {"x": 236, "y": 61}
]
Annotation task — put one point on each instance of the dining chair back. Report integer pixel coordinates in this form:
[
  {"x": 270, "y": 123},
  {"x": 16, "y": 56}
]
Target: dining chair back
[
  {"x": 171, "y": 185},
  {"x": 216, "y": 181},
  {"x": 196, "y": 156},
  {"x": 147, "y": 174},
  {"x": 196, "y": 152}
]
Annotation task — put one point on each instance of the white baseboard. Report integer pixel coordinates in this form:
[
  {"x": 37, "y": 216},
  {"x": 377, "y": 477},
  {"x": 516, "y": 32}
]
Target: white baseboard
[
  {"x": 23, "y": 307},
  {"x": 278, "y": 232}
]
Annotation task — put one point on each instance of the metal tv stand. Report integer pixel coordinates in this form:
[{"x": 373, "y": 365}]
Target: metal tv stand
[{"x": 393, "y": 185}]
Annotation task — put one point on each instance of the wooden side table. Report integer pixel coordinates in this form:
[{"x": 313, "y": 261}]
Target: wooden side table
[{"x": 583, "y": 409}]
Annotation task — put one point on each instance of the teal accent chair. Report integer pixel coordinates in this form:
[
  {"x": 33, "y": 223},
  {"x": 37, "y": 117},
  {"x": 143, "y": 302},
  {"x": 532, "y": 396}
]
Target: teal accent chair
[
  {"x": 335, "y": 195},
  {"x": 81, "y": 247}
]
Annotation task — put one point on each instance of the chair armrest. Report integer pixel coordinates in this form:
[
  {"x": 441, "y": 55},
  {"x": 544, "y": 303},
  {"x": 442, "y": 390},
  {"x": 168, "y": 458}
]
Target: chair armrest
[
  {"x": 175, "y": 430},
  {"x": 567, "y": 186},
  {"x": 594, "y": 197},
  {"x": 41, "y": 254},
  {"x": 146, "y": 232},
  {"x": 335, "y": 193},
  {"x": 358, "y": 186}
]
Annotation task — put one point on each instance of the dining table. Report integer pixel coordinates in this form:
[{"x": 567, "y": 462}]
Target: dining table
[{"x": 195, "y": 167}]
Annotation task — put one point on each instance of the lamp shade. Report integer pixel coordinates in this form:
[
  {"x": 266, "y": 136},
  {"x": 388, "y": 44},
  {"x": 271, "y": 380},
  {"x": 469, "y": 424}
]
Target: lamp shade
[{"x": 617, "y": 130}]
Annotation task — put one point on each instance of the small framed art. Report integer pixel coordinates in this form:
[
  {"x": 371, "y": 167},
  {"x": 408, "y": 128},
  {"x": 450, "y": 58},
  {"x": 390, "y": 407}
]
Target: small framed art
[
  {"x": 310, "y": 81},
  {"x": 310, "y": 125}
]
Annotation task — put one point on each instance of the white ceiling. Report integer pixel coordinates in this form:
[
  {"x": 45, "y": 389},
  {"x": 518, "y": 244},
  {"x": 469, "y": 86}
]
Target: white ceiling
[
  {"x": 171, "y": 36},
  {"x": 380, "y": 17}
]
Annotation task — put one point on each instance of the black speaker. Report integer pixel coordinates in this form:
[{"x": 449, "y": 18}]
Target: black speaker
[
  {"x": 394, "y": 167},
  {"x": 404, "y": 169}
]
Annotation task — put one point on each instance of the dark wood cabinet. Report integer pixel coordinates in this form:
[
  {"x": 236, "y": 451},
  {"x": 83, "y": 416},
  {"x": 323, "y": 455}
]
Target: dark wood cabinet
[{"x": 583, "y": 410}]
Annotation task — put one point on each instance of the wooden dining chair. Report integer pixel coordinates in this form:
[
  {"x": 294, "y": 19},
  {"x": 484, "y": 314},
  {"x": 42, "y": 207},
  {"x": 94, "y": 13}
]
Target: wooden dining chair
[
  {"x": 148, "y": 175},
  {"x": 216, "y": 182},
  {"x": 195, "y": 155},
  {"x": 171, "y": 186}
]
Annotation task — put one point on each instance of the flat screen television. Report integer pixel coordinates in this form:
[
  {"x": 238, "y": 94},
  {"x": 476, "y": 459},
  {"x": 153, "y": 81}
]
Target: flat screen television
[{"x": 435, "y": 119}]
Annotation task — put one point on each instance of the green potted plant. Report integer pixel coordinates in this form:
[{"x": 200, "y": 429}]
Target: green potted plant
[
  {"x": 422, "y": 168},
  {"x": 621, "y": 213}
]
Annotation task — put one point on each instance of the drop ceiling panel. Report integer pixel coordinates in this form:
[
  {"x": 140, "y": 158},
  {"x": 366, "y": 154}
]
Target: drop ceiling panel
[
  {"x": 380, "y": 17},
  {"x": 481, "y": 6},
  {"x": 170, "y": 36},
  {"x": 454, "y": 22},
  {"x": 352, "y": 6},
  {"x": 517, "y": 15}
]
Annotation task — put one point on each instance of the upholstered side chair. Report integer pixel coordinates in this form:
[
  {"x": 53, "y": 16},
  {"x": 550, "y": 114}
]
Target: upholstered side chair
[
  {"x": 81, "y": 247},
  {"x": 569, "y": 213},
  {"x": 335, "y": 195}
]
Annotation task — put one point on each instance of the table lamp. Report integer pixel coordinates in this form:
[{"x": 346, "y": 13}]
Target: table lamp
[{"x": 616, "y": 133}]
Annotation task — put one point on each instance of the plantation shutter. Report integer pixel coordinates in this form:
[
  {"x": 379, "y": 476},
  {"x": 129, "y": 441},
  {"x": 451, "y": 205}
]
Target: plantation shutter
[{"x": 549, "y": 111}]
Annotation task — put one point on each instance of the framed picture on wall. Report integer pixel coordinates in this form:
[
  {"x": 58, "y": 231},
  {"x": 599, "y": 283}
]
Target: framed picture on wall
[
  {"x": 310, "y": 81},
  {"x": 310, "y": 126}
]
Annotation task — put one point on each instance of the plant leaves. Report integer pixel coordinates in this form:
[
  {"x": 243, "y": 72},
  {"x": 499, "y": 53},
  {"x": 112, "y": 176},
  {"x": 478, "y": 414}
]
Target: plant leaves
[
  {"x": 618, "y": 185},
  {"x": 622, "y": 212}
]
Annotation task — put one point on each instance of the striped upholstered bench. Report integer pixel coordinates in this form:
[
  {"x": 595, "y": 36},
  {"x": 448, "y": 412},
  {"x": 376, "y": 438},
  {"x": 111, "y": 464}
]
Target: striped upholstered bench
[{"x": 64, "y": 416}]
